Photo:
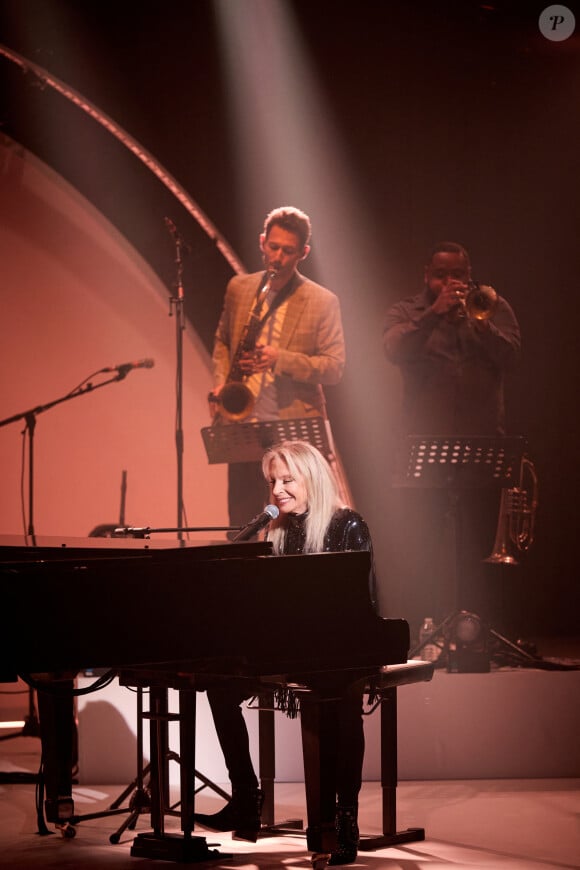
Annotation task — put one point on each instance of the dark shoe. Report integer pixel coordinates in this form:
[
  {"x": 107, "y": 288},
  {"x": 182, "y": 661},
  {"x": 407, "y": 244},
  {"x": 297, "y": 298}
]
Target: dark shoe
[
  {"x": 242, "y": 814},
  {"x": 224, "y": 820},
  {"x": 248, "y": 813},
  {"x": 347, "y": 835}
]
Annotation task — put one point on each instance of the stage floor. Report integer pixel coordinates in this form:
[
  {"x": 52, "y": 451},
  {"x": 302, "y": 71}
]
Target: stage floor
[
  {"x": 493, "y": 824},
  {"x": 511, "y": 824},
  {"x": 497, "y": 821}
]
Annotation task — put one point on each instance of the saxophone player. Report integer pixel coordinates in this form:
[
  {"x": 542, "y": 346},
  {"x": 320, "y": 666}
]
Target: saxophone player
[{"x": 280, "y": 335}]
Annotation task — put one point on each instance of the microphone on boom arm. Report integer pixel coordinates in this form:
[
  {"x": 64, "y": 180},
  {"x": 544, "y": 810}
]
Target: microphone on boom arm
[
  {"x": 177, "y": 237},
  {"x": 123, "y": 369},
  {"x": 269, "y": 513}
]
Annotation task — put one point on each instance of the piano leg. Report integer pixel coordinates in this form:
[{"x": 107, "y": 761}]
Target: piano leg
[
  {"x": 389, "y": 779},
  {"x": 319, "y": 717},
  {"x": 184, "y": 847},
  {"x": 187, "y": 714},
  {"x": 267, "y": 760},
  {"x": 58, "y": 736},
  {"x": 267, "y": 755}
]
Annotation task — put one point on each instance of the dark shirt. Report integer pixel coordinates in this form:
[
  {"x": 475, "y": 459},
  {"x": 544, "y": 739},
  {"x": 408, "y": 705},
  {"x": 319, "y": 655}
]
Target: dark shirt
[
  {"x": 453, "y": 375},
  {"x": 346, "y": 531}
]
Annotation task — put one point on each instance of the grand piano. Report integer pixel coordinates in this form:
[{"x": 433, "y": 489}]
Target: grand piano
[{"x": 166, "y": 616}]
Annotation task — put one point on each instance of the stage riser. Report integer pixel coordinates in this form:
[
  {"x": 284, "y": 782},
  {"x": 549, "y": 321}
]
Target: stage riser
[{"x": 507, "y": 724}]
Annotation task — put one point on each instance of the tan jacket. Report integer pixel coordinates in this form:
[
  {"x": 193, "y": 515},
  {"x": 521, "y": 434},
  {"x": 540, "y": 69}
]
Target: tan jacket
[{"x": 311, "y": 348}]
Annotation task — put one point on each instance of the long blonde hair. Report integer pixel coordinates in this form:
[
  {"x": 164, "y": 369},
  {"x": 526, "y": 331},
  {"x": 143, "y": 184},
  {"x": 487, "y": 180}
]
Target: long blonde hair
[{"x": 305, "y": 461}]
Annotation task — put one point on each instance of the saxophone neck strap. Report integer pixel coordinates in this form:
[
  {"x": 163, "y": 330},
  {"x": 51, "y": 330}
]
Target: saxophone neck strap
[{"x": 278, "y": 299}]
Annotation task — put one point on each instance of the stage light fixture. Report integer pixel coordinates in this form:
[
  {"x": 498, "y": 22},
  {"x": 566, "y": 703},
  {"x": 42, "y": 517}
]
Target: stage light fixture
[{"x": 467, "y": 644}]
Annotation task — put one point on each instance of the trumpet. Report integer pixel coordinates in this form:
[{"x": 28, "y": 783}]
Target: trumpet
[
  {"x": 235, "y": 400},
  {"x": 516, "y": 520},
  {"x": 479, "y": 302}
]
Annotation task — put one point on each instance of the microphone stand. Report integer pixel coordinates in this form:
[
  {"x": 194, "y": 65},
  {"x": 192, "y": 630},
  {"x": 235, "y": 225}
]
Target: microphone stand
[
  {"x": 31, "y": 723},
  {"x": 176, "y": 303},
  {"x": 146, "y": 531},
  {"x": 30, "y": 419}
]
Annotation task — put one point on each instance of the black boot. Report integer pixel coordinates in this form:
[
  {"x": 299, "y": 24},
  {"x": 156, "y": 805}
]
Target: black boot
[
  {"x": 348, "y": 836},
  {"x": 220, "y": 821},
  {"x": 241, "y": 815}
]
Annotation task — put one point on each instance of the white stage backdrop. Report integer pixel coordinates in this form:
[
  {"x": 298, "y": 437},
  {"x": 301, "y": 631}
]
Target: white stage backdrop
[{"x": 76, "y": 297}]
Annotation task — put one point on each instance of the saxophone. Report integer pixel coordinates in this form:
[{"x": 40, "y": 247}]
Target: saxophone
[{"x": 236, "y": 401}]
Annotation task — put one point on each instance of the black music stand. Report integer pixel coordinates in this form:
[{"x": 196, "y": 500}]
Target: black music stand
[
  {"x": 247, "y": 442},
  {"x": 456, "y": 464}
]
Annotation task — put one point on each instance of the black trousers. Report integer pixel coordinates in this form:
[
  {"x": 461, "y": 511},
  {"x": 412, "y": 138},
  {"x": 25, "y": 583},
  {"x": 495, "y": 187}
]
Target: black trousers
[{"x": 225, "y": 702}]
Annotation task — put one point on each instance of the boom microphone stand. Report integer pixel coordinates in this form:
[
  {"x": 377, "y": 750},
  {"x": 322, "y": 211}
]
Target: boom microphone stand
[
  {"x": 32, "y": 724},
  {"x": 30, "y": 418}
]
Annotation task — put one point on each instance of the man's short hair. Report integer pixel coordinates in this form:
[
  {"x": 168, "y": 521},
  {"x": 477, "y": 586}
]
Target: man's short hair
[
  {"x": 449, "y": 248},
  {"x": 291, "y": 219}
]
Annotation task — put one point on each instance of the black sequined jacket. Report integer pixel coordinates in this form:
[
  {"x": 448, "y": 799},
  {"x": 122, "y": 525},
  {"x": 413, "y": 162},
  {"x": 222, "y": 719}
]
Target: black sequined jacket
[{"x": 346, "y": 531}]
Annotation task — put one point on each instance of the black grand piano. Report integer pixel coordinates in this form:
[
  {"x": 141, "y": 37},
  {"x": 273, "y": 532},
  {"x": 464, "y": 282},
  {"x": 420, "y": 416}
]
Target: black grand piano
[{"x": 167, "y": 616}]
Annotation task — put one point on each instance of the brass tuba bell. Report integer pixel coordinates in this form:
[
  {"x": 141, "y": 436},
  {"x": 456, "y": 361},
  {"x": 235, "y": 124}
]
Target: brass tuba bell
[{"x": 516, "y": 520}]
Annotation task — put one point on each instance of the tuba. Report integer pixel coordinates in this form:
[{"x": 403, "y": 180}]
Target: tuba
[
  {"x": 236, "y": 401},
  {"x": 516, "y": 520}
]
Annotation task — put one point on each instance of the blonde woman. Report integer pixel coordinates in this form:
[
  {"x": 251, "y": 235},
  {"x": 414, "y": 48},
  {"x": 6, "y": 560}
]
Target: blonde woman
[{"x": 311, "y": 520}]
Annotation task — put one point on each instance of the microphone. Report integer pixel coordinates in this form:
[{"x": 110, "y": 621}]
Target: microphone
[
  {"x": 269, "y": 513},
  {"x": 171, "y": 226},
  {"x": 124, "y": 368},
  {"x": 175, "y": 233}
]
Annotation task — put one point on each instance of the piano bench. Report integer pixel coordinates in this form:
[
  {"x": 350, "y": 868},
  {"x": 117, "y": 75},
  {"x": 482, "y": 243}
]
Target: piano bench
[{"x": 383, "y": 691}]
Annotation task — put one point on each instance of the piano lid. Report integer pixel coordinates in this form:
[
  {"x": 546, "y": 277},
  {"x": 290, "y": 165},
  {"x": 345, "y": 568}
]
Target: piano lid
[
  {"x": 125, "y": 542},
  {"x": 18, "y": 548}
]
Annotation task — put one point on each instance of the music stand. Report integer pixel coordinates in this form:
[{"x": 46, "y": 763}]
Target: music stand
[
  {"x": 472, "y": 462},
  {"x": 247, "y": 442},
  {"x": 457, "y": 464}
]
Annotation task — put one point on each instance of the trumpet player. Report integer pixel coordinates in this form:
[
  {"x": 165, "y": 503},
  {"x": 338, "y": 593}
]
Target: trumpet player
[
  {"x": 453, "y": 343},
  {"x": 279, "y": 340}
]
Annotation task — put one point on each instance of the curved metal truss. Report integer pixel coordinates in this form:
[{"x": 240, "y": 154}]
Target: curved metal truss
[{"x": 132, "y": 145}]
